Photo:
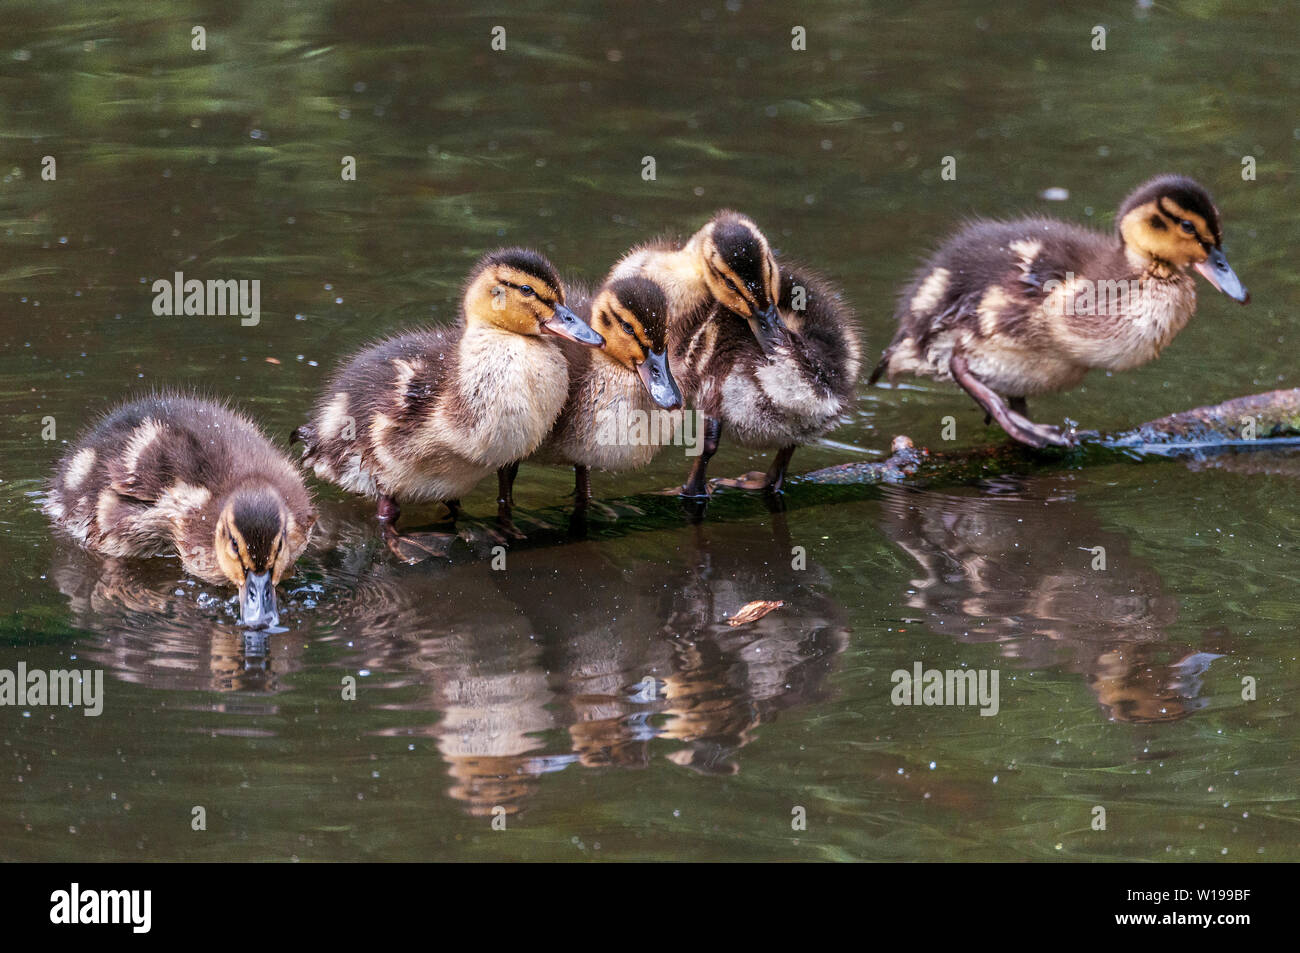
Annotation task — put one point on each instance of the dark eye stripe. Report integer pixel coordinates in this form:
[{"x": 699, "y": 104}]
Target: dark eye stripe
[
  {"x": 550, "y": 302},
  {"x": 1178, "y": 219},
  {"x": 743, "y": 295}
]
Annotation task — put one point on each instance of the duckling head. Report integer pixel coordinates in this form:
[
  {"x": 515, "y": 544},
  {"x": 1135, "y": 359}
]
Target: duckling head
[
  {"x": 517, "y": 290},
  {"x": 251, "y": 537},
  {"x": 1173, "y": 220},
  {"x": 632, "y": 315},
  {"x": 741, "y": 273}
]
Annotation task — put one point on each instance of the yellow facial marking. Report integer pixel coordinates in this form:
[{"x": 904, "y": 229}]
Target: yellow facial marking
[
  {"x": 728, "y": 286},
  {"x": 233, "y": 557},
  {"x": 1177, "y": 212},
  {"x": 627, "y": 347},
  {"x": 511, "y": 300},
  {"x": 1153, "y": 231}
]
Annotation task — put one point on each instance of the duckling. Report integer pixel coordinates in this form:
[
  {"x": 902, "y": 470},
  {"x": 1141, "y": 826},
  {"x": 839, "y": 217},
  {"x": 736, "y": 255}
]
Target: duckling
[
  {"x": 172, "y": 472},
  {"x": 611, "y": 420},
  {"x": 426, "y": 415},
  {"x": 770, "y": 353},
  {"x": 1010, "y": 310}
]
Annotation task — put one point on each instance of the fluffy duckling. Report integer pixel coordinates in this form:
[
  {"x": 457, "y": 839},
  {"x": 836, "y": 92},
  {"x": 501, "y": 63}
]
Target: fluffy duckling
[
  {"x": 771, "y": 354},
  {"x": 613, "y": 419},
  {"x": 426, "y": 415},
  {"x": 177, "y": 473},
  {"x": 1013, "y": 309}
]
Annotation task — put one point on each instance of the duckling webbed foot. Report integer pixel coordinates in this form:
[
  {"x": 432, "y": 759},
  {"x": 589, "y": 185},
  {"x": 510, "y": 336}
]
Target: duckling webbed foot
[
  {"x": 1017, "y": 426},
  {"x": 773, "y": 481},
  {"x": 753, "y": 480},
  {"x": 413, "y": 548},
  {"x": 410, "y": 548}
]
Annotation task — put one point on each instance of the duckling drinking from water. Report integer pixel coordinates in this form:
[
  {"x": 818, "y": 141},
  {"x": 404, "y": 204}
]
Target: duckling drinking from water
[
  {"x": 177, "y": 473},
  {"x": 770, "y": 354},
  {"x": 426, "y": 415},
  {"x": 618, "y": 395},
  {"x": 1010, "y": 310}
]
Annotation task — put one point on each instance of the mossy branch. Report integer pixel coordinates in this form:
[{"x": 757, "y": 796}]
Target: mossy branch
[{"x": 1260, "y": 422}]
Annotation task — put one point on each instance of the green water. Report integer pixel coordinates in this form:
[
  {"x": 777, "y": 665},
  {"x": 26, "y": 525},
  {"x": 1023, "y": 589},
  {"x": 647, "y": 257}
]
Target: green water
[{"x": 523, "y": 692}]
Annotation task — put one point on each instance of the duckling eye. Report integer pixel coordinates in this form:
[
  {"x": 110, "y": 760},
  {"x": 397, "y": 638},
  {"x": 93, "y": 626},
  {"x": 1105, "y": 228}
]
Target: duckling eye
[
  {"x": 526, "y": 291},
  {"x": 1187, "y": 226},
  {"x": 627, "y": 328},
  {"x": 234, "y": 549}
]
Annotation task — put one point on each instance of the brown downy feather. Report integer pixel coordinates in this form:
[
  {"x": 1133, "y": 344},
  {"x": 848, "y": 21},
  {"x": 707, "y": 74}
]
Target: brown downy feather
[{"x": 153, "y": 476}]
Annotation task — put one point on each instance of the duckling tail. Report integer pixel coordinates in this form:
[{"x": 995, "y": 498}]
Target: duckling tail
[{"x": 881, "y": 367}]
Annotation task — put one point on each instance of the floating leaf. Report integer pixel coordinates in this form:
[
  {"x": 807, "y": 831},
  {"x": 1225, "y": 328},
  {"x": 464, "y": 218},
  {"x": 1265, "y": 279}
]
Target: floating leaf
[{"x": 753, "y": 611}]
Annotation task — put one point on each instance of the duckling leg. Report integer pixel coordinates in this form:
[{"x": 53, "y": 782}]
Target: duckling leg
[
  {"x": 581, "y": 486},
  {"x": 1017, "y": 426},
  {"x": 776, "y": 472},
  {"x": 388, "y": 510},
  {"x": 1018, "y": 404},
  {"x": 581, "y": 500},
  {"x": 697, "y": 484},
  {"x": 506, "y": 499}
]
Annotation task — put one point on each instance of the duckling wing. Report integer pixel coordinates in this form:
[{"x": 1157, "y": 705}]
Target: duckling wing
[
  {"x": 155, "y": 458},
  {"x": 830, "y": 342},
  {"x": 992, "y": 267}
]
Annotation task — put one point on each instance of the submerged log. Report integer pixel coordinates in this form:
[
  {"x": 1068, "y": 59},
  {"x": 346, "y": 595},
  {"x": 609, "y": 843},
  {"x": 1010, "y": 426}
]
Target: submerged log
[{"x": 1245, "y": 424}]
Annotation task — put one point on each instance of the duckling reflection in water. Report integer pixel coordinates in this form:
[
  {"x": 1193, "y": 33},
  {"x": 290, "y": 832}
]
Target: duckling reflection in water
[
  {"x": 142, "y": 631},
  {"x": 526, "y": 681},
  {"x": 693, "y": 679},
  {"x": 1016, "y": 567}
]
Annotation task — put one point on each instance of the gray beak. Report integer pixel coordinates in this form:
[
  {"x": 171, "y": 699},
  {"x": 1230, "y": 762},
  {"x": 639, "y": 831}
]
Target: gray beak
[
  {"x": 769, "y": 329},
  {"x": 1219, "y": 273},
  {"x": 257, "y": 601},
  {"x": 566, "y": 324},
  {"x": 658, "y": 381}
]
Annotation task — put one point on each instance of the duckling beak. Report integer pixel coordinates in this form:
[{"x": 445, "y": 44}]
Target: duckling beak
[
  {"x": 769, "y": 329},
  {"x": 568, "y": 325},
  {"x": 257, "y": 601},
  {"x": 658, "y": 380},
  {"x": 1219, "y": 273}
]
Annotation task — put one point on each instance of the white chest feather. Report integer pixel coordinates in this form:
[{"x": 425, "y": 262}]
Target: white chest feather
[
  {"x": 625, "y": 429},
  {"x": 1128, "y": 323},
  {"x": 514, "y": 387}
]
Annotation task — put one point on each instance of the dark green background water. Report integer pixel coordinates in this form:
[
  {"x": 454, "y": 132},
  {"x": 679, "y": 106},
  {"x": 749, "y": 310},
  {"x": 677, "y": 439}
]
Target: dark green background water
[{"x": 519, "y": 689}]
